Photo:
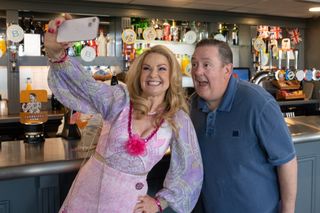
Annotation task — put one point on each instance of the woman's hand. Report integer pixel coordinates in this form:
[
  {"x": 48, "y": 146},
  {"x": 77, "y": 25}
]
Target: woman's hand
[
  {"x": 54, "y": 50},
  {"x": 146, "y": 204}
]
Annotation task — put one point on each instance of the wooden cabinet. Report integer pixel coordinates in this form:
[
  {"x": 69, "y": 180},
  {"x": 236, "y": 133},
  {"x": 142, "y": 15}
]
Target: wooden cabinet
[{"x": 308, "y": 198}]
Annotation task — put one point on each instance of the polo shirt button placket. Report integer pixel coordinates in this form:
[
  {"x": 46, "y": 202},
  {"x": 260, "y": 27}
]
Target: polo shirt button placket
[{"x": 210, "y": 123}]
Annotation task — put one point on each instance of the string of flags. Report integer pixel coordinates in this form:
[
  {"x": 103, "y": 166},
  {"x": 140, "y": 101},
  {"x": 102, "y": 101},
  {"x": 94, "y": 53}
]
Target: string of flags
[{"x": 275, "y": 32}]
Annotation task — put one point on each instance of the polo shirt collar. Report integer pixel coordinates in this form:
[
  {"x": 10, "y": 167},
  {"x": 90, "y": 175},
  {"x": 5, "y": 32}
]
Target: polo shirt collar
[{"x": 227, "y": 100}]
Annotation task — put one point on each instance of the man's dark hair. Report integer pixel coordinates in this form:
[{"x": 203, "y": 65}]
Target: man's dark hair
[{"x": 223, "y": 49}]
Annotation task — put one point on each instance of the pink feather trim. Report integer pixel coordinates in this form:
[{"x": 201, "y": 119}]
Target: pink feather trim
[{"x": 135, "y": 145}]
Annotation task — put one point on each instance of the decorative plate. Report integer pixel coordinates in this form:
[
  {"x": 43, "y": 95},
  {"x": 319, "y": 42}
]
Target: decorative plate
[
  {"x": 129, "y": 36},
  {"x": 15, "y": 33},
  {"x": 149, "y": 34},
  {"x": 259, "y": 44}
]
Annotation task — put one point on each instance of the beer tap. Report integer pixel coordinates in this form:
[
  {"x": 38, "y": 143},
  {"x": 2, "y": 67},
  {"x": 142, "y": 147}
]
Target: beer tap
[
  {"x": 288, "y": 59},
  {"x": 279, "y": 59},
  {"x": 296, "y": 53},
  {"x": 270, "y": 59}
]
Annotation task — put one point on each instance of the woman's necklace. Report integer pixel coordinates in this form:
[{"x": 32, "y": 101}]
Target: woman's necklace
[{"x": 136, "y": 145}]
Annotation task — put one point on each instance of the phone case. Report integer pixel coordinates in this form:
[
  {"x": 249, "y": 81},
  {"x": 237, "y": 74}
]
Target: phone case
[{"x": 78, "y": 29}]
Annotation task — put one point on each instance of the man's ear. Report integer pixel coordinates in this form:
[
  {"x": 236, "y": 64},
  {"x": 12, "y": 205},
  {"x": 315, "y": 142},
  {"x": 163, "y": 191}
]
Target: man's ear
[{"x": 228, "y": 69}]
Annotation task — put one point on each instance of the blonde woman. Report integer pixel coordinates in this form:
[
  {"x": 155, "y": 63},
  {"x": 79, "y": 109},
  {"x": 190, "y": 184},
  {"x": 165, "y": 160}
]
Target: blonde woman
[{"x": 141, "y": 121}]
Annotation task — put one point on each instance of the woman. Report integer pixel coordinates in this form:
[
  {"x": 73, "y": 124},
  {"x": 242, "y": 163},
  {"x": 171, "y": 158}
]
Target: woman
[
  {"x": 33, "y": 106},
  {"x": 140, "y": 122}
]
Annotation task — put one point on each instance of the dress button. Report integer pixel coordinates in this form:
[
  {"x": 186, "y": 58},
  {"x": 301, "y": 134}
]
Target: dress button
[{"x": 139, "y": 186}]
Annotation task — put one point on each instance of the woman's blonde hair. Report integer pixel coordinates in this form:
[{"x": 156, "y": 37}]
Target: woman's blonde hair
[{"x": 175, "y": 97}]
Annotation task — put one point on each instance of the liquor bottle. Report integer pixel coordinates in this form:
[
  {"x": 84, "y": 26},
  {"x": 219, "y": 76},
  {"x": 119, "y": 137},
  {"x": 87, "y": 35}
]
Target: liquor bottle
[
  {"x": 32, "y": 25},
  {"x": 235, "y": 35},
  {"x": 166, "y": 31},
  {"x": 39, "y": 30},
  {"x": 139, "y": 49},
  {"x": 102, "y": 44},
  {"x": 145, "y": 47},
  {"x": 203, "y": 31},
  {"x": 110, "y": 45},
  {"x": 159, "y": 30},
  {"x": 93, "y": 44},
  {"x": 77, "y": 48},
  {"x": 139, "y": 30},
  {"x": 28, "y": 86},
  {"x": 223, "y": 29},
  {"x": 195, "y": 29},
  {"x": 185, "y": 65},
  {"x": 174, "y": 31},
  {"x": 114, "y": 80},
  {"x": 3, "y": 47},
  {"x": 184, "y": 29},
  {"x": 55, "y": 104}
]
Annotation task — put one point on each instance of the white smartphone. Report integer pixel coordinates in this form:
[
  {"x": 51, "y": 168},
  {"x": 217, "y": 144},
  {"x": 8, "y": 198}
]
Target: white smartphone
[{"x": 80, "y": 29}]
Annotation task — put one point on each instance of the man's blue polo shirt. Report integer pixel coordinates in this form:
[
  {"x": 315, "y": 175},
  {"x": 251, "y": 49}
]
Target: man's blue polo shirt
[{"x": 241, "y": 143}]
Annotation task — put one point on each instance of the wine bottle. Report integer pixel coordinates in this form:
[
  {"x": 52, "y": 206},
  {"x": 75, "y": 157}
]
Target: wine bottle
[
  {"x": 114, "y": 80},
  {"x": 225, "y": 31},
  {"x": 235, "y": 35},
  {"x": 32, "y": 24}
]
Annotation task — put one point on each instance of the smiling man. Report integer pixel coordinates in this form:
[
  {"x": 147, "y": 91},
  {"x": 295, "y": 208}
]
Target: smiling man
[{"x": 248, "y": 156}]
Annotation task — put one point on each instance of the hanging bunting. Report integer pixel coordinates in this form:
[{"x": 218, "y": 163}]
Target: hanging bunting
[
  {"x": 275, "y": 32},
  {"x": 295, "y": 36}
]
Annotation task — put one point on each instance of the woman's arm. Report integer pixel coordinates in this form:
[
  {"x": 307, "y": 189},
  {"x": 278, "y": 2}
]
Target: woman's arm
[
  {"x": 184, "y": 178},
  {"x": 73, "y": 85}
]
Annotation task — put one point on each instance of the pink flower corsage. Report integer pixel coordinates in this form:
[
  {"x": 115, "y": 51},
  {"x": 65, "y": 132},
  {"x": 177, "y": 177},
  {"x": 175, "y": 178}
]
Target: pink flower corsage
[{"x": 135, "y": 145}]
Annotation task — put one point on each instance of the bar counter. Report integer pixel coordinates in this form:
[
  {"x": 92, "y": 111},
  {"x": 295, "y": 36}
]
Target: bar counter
[
  {"x": 11, "y": 129},
  {"x": 304, "y": 128},
  {"x": 55, "y": 155},
  {"x": 40, "y": 167}
]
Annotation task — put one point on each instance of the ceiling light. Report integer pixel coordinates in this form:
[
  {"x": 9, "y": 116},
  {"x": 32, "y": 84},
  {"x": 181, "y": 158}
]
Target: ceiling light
[{"x": 314, "y": 9}]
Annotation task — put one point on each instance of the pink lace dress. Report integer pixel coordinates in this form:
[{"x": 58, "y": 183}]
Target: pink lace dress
[{"x": 112, "y": 179}]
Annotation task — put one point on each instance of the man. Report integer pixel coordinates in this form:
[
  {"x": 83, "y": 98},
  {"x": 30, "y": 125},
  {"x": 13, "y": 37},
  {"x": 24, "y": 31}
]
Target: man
[{"x": 248, "y": 156}]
